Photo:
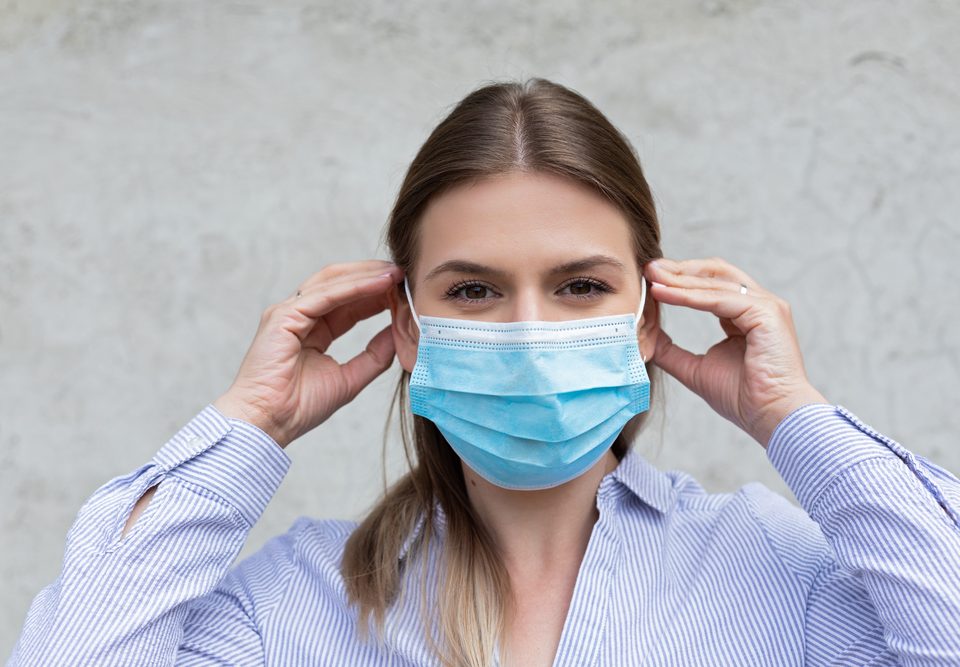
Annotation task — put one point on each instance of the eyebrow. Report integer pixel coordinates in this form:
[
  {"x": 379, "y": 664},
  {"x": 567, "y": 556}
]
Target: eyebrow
[{"x": 464, "y": 266}]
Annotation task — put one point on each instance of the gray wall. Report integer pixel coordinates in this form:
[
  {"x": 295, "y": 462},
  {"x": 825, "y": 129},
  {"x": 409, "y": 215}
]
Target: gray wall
[{"x": 169, "y": 170}]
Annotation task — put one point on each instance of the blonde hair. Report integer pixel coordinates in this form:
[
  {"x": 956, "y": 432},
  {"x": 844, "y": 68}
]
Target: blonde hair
[{"x": 537, "y": 126}]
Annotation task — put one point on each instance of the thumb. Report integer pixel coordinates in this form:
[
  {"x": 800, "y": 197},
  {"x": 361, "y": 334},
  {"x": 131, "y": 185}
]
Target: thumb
[
  {"x": 676, "y": 361},
  {"x": 375, "y": 359}
]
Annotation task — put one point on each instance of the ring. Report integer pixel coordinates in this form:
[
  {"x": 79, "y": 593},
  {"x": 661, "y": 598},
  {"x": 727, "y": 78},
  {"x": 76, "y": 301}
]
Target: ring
[{"x": 743, "y": 288}]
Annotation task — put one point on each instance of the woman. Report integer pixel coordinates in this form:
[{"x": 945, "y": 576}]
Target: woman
[{"x": 524, "y": 297}]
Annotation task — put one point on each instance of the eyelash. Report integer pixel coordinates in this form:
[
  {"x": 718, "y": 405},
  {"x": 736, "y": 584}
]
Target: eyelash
[{"x": 600, "y": 288}]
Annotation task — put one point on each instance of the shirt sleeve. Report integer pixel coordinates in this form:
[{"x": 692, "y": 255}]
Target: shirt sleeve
[
  {"x": 124, "y": 600},
  {"x": 892, "y": 519}
]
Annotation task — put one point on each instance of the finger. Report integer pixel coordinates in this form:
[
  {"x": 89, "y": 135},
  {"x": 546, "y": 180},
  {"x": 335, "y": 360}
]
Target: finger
[
  {"x": 343, "y": 318},
  {"x": 333, "y": 273},
  {"x": 301, "y": 314},
  {"x": 662, "y": 273},
  {"x": 729, "y": 327},
  {"x": 374, "y": 360},
  {"x": 316, "y": 281},
  {"x": 665, "y": 276},
  {"x": 743, "y": 310},
  {"x": 677, "y": 361},
  {"x": 711, "y": 267},
  {"x": 323, "y": 299}
]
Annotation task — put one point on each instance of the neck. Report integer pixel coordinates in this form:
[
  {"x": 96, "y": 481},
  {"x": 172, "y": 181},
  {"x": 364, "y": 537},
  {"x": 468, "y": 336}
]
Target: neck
[{"x": 537, "y": 531}]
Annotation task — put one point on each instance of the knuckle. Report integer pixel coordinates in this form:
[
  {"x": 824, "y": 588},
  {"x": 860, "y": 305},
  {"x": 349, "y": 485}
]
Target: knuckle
[
  {"x": 724, "y": 264},
  {"x": 268, "y": 312}
]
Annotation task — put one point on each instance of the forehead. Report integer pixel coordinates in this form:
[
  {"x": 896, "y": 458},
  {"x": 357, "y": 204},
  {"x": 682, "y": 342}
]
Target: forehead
[{"x": 528, "y": 219}]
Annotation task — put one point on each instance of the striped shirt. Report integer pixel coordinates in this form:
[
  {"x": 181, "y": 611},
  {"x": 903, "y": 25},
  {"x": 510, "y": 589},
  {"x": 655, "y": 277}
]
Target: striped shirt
[{"x": 866, "y": 573}]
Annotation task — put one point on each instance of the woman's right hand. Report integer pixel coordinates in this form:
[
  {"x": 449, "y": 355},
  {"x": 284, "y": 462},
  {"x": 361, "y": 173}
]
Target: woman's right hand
[{"x": 287, "y": 384}]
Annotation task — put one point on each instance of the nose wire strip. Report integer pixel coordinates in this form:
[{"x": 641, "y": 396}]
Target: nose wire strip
[{"x": 643, "y": 299}]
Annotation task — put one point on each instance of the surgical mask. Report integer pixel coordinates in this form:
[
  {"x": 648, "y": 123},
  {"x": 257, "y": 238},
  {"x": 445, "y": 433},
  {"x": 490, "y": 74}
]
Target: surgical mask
[{"x": 532, "y": 404}]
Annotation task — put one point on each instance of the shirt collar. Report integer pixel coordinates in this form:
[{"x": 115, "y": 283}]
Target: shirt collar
[
  {"x": 647, "y": 483},
  {"x": 439, "y": 523}
]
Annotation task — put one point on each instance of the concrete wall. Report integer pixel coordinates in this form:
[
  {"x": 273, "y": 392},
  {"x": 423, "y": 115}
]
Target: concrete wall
[{"x": 170, "y": 169}]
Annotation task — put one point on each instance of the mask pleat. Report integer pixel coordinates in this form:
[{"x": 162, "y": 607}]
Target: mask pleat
[
  {"x": 529, "y": 404},
  {"x": 551, "y": 418},
  {"x": 534, "y": 471},
  {"x": 527, "y": 372}
]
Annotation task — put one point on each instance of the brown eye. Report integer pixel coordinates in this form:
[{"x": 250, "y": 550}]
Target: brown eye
[
  {"x": 586, "y": 288},
  {"x": 475, "y": 291},
  {"x": 580, "y": 288},
  {"x": 468, "y": 292}
]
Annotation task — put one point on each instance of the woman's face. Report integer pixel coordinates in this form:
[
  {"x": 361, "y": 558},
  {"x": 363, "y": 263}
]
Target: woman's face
[{"x": 522, "y": 246}]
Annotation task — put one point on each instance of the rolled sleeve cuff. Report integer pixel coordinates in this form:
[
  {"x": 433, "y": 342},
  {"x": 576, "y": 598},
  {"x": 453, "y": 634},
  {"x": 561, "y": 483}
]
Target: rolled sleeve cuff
[
  {"x": 228, "y": 457},
  {"x": 817, "y": 443}
]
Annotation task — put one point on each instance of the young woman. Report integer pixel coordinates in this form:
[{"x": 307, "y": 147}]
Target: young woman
[{"x": 524, "y": 293}]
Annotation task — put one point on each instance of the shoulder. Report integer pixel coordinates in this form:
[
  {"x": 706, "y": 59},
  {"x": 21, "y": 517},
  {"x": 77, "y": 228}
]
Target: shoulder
[
  {"x": 302, "y": 563},
  {"x": 752, "y": 521},
  {"x": 310, "y": 551},
  {"x": 781, "y": 528},
  {"x": 791, "y": 533},
  {"x": 319, "y": 542}
]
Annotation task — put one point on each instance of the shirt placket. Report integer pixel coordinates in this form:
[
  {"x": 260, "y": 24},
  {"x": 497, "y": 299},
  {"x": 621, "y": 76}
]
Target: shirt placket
[{"x": 586, "y": 626}]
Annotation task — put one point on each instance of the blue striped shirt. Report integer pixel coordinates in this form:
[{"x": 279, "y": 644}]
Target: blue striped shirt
[{"x": 866, "y": 573}]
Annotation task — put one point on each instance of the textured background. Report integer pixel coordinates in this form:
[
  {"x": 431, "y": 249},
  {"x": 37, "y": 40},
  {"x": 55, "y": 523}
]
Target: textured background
[{"x": 167, "y": 170}]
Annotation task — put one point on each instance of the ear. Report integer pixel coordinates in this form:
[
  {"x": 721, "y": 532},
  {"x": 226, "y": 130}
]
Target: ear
[
  {"x": 649, "y": 327},
  {"x": 406, "y": 334}
]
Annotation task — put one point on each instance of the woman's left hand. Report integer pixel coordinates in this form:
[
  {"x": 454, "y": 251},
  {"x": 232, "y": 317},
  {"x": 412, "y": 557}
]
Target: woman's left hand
[{"x": 755, "y": 376}]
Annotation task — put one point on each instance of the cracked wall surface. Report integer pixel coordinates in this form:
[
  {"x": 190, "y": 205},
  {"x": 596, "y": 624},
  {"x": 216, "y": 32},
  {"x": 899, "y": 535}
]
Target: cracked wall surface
[{"x": 171, "y": 169}]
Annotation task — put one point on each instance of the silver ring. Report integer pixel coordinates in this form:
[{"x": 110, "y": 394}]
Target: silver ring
[{"x": 743, "y": 288}]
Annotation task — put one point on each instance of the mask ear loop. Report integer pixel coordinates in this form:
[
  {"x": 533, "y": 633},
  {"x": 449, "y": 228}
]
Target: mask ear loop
[
  {"x": 643, "y": 299},
  {"x": 413, "y": 312}
]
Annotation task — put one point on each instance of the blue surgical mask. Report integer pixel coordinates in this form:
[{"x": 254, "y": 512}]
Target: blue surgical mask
[{"x": 529, "y": 405}]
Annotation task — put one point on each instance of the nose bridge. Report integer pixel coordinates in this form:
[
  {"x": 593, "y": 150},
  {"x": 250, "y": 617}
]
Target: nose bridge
[{"x": 530, "y": 303}]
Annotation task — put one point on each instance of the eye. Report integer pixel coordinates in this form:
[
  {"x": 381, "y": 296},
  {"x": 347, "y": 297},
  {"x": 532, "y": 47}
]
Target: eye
[
  {"x": 473, "y": 290},
  {"x": 587, "y": 288}
]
